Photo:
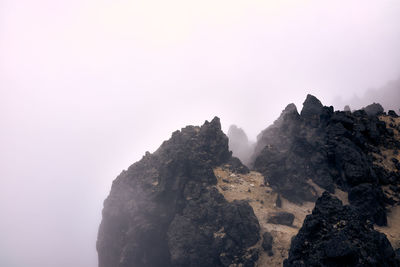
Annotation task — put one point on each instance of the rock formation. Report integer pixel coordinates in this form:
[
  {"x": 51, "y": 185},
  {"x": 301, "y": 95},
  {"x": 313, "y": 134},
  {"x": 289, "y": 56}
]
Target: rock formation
[
  {"x": 239, "y": 144},
  {"x": 164, "y": 210},
  {"x": 374, "y": 109},
  {"x": 329, "y": 149},
  {"x": 190, "y": 203},
  {"x": 336, "y": 235}
]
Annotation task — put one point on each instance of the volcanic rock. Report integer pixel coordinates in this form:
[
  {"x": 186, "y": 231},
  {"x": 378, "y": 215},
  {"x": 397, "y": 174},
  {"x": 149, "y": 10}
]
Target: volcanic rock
[
  {"x": 337, "y": 235},
  {"x": 235, "y": 165},
  {"x": 323, "y": 148},
  {"x": 284, "y": 218},
  {"x": 267, "y": 241},
  {"x": 370, "y": 201},
  {"x": 164, "y": 210}
]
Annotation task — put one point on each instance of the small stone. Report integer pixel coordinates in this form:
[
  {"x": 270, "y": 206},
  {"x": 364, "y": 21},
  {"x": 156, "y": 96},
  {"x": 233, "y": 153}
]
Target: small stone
[
  {"x": 278, "y": 201},
  {"x": 284, "y": 218},
  {"x": 267, "y": 241}
]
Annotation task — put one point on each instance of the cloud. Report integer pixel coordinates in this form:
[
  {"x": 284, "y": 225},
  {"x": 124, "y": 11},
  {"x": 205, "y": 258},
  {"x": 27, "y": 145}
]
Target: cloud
[{"x": 86, "y": 87}]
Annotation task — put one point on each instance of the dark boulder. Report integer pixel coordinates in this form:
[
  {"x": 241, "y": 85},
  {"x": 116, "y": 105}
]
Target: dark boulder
[
  {"x": 268, "y": 240},
  {"x": 235, "y": 165},
  {"x": 278, "y": 201},
  {"x": 282, "y": 217},
  {"x": 337, "y": 235}
]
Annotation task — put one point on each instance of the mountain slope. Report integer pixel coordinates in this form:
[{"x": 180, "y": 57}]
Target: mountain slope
[
  {"x": 164, "y": 210},
  {"x": 191, "y": 203},
  {"x": 329, "y": 149}
]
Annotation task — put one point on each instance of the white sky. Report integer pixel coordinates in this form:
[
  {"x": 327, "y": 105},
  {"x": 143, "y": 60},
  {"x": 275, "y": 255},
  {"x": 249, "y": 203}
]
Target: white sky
[{"x": 86, "y": 87}]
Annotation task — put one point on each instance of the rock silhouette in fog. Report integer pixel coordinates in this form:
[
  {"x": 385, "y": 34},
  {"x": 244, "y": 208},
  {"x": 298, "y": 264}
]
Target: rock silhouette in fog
[{"x": 240, "y": 145}]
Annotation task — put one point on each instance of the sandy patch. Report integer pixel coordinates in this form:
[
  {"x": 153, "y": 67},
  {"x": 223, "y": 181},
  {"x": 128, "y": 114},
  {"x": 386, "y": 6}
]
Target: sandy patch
[
  {"x": 392, "y": 230},
  {"x": 385, "y": 158},
  {"x": 262, "y": 199}
]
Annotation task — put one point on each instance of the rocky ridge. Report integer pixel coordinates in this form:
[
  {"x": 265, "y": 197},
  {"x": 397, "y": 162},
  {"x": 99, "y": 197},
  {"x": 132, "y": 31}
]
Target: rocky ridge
[
  {"x": 191, "y": 203},
  {"x": 165, "y": 210},
  {"x": 332, "y": 150}
]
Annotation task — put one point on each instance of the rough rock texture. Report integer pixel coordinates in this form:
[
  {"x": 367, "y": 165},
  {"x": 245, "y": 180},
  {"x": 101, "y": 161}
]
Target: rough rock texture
[
  {"x": 329, "y": 149},
  {"x": 282, "y": 217},
  {"x": 370, "y": 201},
  {"x": 164, "y": 210},
  {"x": 191, "y": 203},
  {"x": 337, "y": 235},
  {"x": 235, "y": 165}
]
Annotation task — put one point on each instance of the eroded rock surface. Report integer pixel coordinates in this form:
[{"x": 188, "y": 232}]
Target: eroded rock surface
[
  {"x": 331, "y": 150},
  {"x": 337, "y": 235},
  {"x": 164, "y": 210},
  {"x": 191, "y": 203},
  {"x": 282, "y": 217}
]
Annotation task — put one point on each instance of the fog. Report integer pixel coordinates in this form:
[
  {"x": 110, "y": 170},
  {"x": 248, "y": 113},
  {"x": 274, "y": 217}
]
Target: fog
[
  {"x": 388, "y": 95},
  {"x": 86, "y": 87}
]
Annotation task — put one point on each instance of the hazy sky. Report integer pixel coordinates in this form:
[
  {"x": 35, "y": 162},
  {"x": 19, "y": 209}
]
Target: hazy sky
[{"x": 86, "y": 87}]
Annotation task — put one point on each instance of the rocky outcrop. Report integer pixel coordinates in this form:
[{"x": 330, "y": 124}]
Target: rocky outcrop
[
  {"x": 235, "y": 165},
  {"x": 337, "y": 235},
  {"x": 326, "y": 148},
  {"x": 374, "y": 109},
  {"x": 164, "y": 210},
  {"x": 190, "y": 203}
]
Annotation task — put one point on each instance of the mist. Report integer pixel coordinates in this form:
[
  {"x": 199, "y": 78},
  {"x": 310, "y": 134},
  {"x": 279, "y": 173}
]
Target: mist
[
  {"x": 86, "y": 87},
  {"x": 388, "y": 95}
]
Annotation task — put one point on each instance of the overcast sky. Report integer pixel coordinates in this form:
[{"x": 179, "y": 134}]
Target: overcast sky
[{"x": 86, "y": 87}]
